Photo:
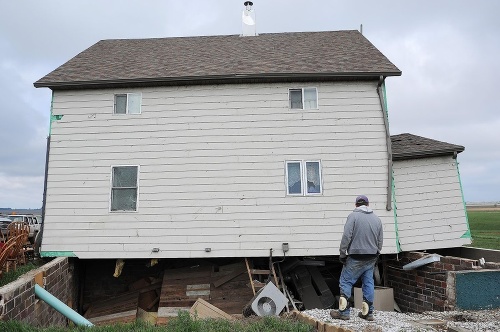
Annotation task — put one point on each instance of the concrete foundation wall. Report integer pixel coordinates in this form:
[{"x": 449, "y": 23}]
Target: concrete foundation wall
[{"x": 18, "y": 301}]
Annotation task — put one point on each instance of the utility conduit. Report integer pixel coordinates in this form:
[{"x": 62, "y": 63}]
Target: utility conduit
[{"x": 61, "y": 307}]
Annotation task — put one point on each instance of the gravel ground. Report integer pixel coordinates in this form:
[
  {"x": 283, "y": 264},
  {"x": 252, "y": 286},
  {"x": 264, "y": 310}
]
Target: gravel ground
[{"x": 385, "y": 321}]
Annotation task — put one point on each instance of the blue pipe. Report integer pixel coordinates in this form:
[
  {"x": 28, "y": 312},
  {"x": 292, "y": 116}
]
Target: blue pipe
[{"x": 61, "y": 307}]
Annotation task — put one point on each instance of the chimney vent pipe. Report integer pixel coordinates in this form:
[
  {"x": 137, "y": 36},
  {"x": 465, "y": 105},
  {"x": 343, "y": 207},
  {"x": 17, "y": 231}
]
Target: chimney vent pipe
[{"x": 248, "y": 20}]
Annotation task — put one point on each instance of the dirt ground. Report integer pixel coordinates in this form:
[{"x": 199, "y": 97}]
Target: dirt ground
[{"x": 483, "y": 208}]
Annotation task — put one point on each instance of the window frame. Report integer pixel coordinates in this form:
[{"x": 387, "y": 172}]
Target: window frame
[
  {"x": 136, "y": 188},
  {"x": 303, "y": 177},
  {"x": 303, "y": 99},
  {"x": 128, "y": 94}
]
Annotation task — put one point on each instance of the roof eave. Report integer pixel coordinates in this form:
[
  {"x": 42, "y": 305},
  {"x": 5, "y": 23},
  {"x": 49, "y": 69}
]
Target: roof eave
[
  {"x": 233, "y": 78},
  {"x": 426, "y": 154}
]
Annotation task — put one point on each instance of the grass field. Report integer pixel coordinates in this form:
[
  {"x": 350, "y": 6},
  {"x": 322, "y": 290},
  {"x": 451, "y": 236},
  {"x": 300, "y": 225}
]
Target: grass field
[
  {"x": 183, "y": 323},
  {"x": 485, "y": 228}
]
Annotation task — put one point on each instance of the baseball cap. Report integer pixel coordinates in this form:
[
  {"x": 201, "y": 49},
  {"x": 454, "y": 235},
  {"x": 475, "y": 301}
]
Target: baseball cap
[{"x": 361, "y": 199}]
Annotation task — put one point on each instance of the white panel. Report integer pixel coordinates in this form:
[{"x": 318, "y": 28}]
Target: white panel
[
  {"x": 429, "y": 203},
  {"x": 212, "y": 170}
]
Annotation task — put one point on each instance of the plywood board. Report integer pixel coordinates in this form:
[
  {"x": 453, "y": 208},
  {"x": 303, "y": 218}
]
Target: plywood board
[
  {"x": 182, "y": 287},
  {"x": 118, "y": 304},
  {"x": 120, "y": 317},
  {"x": 203, "y": 309}
]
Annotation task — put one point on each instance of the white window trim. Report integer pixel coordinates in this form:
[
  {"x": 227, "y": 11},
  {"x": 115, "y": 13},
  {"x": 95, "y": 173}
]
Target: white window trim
[
  {"x": 111, "y": 189},
  {"x": 126, "y": 110},
  {"x": 303, "y": 177},
  {"x": 303, "y": 104}
]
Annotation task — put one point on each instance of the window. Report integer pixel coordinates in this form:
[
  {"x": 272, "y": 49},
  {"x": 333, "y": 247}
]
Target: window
[
  {"x": 128, "y": 103},
  {"x": 304, "y": 98},
  {"x": 294, "y": 178},
  {"x": 303, "y": 177},
  {"x": 124, "y": 188}
]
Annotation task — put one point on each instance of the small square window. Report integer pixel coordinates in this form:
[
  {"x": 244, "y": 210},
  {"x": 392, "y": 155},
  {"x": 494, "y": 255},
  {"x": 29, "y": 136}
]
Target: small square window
[
  {"x": 127, "y": 103},
  {"x": 124, "y": 188},
  {"x": 304, "y": 98},
  {"x": 303, "y": 177}
]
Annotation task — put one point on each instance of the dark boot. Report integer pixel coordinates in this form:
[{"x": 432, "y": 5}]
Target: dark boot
[
  {"x": 368, "y": 317},
  {"x": 335, "y": 314}
]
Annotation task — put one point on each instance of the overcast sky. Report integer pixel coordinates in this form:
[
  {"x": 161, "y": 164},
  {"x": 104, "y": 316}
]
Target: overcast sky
[{"x": 448, "y": 52}]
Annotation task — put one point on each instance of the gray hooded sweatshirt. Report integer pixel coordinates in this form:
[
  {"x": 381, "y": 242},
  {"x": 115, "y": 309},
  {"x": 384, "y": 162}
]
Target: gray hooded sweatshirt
[{"x": 363, "y": 234}]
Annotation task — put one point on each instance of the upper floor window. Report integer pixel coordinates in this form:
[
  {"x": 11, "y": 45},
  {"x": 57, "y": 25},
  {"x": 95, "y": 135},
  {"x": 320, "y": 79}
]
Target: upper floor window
[
  {"x": 127, "y": 103},
  {"x": 124, "y": 188},
  {"x": 303, "y": 177},
  {"x": 303, "y": 98}
]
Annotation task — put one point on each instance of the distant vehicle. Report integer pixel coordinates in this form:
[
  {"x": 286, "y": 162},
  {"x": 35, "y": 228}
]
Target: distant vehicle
[
  {"x": 4, "y": 223},
  {"x": 34, "y": 222}
]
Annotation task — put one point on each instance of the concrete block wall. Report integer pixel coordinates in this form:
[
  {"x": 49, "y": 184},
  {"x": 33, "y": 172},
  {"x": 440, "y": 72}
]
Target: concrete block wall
[
  {"x": 18, "y": 301},
  {"x": 424, "y": 288}
]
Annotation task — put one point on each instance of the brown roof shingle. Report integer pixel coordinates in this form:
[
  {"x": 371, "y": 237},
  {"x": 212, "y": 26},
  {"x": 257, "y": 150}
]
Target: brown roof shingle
[
  {"x": 326, "y": 55},
  {"x": 408, "y": 146}
]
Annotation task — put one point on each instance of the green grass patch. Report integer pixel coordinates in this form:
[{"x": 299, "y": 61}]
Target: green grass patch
[
  {"x": 8, "y": 277},
  {"x": 485, "y": 228},
  {"x": 182, "y": 323}
]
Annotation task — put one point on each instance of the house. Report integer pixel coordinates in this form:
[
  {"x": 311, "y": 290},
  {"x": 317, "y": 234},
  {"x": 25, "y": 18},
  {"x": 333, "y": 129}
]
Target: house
[{"x": 236, "y": 146}]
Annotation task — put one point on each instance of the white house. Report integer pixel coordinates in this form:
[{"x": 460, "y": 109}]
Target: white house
[{"x": 229, "y": 146}]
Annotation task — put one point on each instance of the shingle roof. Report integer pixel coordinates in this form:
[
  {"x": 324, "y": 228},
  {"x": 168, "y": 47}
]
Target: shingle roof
[
  {"x": 272, "y": 56},
  {"x": 408, "y": 146}
]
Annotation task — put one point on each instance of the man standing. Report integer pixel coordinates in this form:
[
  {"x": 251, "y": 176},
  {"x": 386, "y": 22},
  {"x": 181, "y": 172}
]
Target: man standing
[{"x": 359, "y": 249}]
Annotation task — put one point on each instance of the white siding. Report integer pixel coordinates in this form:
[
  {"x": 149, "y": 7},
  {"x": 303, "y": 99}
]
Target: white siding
[
  {"x": 430, "y": 208},
  {"x": 212, "y": 170}
]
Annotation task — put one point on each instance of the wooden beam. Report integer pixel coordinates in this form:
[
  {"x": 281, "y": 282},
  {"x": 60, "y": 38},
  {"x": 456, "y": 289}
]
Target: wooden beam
[{"x": 228, "y": 277}]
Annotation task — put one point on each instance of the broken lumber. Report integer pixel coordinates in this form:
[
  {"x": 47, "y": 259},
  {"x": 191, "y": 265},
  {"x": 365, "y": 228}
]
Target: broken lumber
[
  {"x": 146, "y": 316},
  {"x": 203, "y": 309},
  {"x": 228, "y": 277},
  {"x": 110, "y": 319}
]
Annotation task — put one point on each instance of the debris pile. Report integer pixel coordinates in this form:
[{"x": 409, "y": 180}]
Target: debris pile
[{"x": 142, "y": 297}]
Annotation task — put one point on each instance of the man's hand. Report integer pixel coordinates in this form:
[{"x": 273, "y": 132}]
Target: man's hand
[{"x": 343, "y": 260}]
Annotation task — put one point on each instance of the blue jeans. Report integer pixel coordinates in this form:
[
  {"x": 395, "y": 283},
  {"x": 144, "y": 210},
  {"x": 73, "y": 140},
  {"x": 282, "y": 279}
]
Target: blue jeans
[{"x": 351, "y": 272}]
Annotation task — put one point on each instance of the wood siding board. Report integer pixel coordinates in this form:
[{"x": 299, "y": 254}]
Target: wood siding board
[
  {"x": 245, "y": 142},
  {"x": 152, "y": 153},
  {"x": 450, "y": 243},
  {"x": 180, "y": 138},
  {"x": 338, "y": 164},
  {"x": 231, "y": 120}
]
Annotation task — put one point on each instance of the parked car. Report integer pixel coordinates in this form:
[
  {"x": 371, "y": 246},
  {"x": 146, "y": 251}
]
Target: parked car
[
  {"x": 4, "y": 223},
  {"x": 34, "y": 222}
]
